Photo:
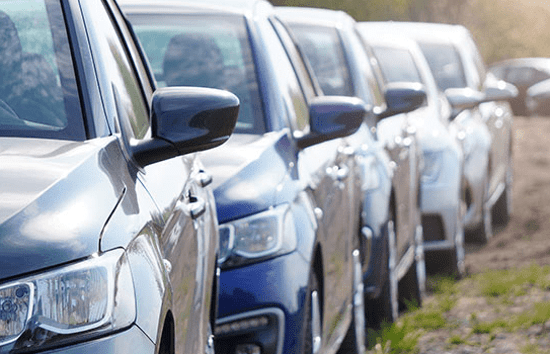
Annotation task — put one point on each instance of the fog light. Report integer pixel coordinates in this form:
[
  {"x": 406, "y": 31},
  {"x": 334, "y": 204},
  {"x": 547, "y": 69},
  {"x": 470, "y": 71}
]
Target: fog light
[
  {"x": 248, "y": 349},
  {"x": 242, "y": 325},
  {"x": 15, "y": 302}
]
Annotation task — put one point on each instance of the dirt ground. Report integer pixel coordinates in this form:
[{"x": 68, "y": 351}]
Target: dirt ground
[{"x": 525, "y": 239}]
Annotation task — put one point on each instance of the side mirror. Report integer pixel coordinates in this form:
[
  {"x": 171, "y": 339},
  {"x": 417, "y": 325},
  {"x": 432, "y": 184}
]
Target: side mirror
[
  {"x": 186, "y": 120},
  {"x": 463, "y": 98},
  {"x": 500, "y": 91},
  {"x": 332, "y": 117},
  {"x": 403, "y": 97}
]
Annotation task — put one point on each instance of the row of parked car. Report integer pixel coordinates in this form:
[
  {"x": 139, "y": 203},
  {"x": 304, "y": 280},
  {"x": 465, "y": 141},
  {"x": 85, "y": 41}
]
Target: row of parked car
[{"x": 228, "y": 176}]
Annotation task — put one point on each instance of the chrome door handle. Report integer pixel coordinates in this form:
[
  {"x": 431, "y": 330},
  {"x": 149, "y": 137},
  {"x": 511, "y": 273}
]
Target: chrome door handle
[
  {"x": 203, "y": 178},
  {"x": 197, "y": 207},
  {"x": 342, "y": 173}
]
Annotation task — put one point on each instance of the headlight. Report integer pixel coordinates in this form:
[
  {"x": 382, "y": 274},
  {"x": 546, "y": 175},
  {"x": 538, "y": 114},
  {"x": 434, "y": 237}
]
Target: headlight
[
  {"x": 432, "y": 165},
  {"x": 95, "y": 295},
  {"x": 257, "y": 237}
]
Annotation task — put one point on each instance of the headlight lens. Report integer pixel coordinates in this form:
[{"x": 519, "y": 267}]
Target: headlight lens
[
  {"x": 432, "y": 165},
  {"x": 257, "y": 237},
  {"x": 96, "y": 294}
]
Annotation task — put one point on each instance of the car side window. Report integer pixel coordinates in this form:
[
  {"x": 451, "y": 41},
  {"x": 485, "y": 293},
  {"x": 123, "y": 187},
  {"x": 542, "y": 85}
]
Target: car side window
[
  {"x": 39, "y": 94},
  {"x": 126, "y": 87},
  {"x": 295, "y": 100},
  {"x": 300, "y": 66},
  {"x": 477, "y": 60},
  {"x": 397, "y": 65},
  {"x": 323, "y": 48}
]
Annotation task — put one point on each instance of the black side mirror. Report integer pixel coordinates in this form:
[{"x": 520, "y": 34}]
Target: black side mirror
[
  {"x": 403, "y": 97},
  {"x": 332, "y": 117},
  {"x": 186, "y": 120}
]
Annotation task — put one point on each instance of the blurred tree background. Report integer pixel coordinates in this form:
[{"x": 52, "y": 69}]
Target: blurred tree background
[{"x": 502, "y": 29}]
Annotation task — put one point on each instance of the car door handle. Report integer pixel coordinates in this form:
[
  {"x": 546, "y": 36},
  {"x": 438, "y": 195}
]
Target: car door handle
[
  {"x": 342, "y": 173},
  {"x": 203, "y": 178},
  {"x": 197, "y": 207}
]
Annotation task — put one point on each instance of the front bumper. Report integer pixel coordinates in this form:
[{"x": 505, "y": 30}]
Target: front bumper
[
  {"x": 441, "y": 206},
  {"x": 130, "y": 341},
  {"x": 262, "y": 304},
  {"x": 475, "y": 192}
]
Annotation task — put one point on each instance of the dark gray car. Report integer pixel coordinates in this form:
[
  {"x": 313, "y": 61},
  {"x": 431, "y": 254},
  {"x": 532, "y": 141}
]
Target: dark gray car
[{"x": 108, "y": 236}]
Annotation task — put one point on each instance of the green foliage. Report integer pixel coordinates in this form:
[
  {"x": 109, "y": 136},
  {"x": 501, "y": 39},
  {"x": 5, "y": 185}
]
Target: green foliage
[
  {"x": 502, "y": 29},
  {"x": 399, "y": 338},
  {"x": 489, "y": 327},
  {"x": 530, "y": 348},
  {"x": 513, "y": 281},
  {"x": 456, "y": 340},
  {"x": 539, "y": 314},
  {"x": 429, "y": 320}
]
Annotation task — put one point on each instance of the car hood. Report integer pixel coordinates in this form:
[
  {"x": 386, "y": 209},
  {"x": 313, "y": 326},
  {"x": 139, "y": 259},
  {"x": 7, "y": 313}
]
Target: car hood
[
  {"x": 55, "y": 197},
  {"x": 251, "y": 173}
]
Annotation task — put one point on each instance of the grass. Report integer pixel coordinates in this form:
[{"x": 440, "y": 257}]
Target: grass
[
  {"x": 513, "y": 282},
  {"x": 500, "y": 289}
]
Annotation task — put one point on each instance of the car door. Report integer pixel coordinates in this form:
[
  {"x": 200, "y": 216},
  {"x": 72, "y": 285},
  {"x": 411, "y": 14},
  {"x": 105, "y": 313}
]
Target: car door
[
  {"x": 181, "y": 231},
  {"x": 497, "y": 117},
  {"x": 330, "y": 169}
]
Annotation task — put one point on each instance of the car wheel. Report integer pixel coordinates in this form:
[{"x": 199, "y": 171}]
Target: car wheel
[
  {"x": 503, "y": 207},
  {"x": 209, "y": 348},
  {"x": 457, "y": 256},
  {"x": 412, "y": 287},
  {"x": 386, "y": 306},
  {"x": 354, "y": 342},
  {"x": 483, "y": 232},
  {"x": 313, "y": 325}
]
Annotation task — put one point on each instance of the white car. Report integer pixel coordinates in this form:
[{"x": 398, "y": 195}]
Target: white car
[
  {"x": 460, "y": 72},
  {"x": 441, "y": 184}
]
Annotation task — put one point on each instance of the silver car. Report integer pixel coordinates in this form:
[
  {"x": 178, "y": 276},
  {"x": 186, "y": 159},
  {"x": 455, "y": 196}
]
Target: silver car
[
  {"x": 441, "y": 182},
  {"x": 460, "y": 72}
]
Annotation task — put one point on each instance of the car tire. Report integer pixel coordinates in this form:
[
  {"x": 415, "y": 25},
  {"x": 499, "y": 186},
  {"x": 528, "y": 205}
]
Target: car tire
[
  {"x": 503, "y": 207},
  {"x": 385, "y": 308},
  {"x": 354, "y": 341},
  {"x": 457, "y": 267},
  {"x": 209, "y": 348},
  {"x": 484, "y": 231},
  {"x": 412, "y": 287},
  {"x": 313, "y": 324}
]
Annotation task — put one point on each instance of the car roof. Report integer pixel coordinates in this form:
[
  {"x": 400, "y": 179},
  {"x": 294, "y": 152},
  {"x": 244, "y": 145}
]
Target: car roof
[
  {"x": 427, "y": 32},
  {"x": 242, "y": 7},
  {"x": 313, "y": 16}
]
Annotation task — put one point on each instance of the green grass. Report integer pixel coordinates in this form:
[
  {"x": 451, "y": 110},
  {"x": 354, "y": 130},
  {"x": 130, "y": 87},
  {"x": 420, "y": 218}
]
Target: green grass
[
  {"x": 489, "y": 327},
  {"x": 457, "y": 340},
  {"x": 539, "y": 314},
  {"x": 530, "y": 349},
  {"x": 513, "y": 282},
  {"x": 398, "y": 338},
  {"x": 501, "y": 289}
]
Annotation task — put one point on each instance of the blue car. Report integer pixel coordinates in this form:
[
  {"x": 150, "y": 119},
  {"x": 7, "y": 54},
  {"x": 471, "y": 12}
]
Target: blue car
[
  {"x": 108, "y": 236},
  {"x": 286, "y": 184}
]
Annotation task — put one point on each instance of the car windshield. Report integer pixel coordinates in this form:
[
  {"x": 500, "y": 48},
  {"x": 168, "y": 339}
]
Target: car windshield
[
  {"x": 204, "y": 51},
  {"x": 445, "y": 64},
  {"x": 38, "y": 91},
  {"x": 397, "y": 65},
  {"x": 323, "y": 49}
]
